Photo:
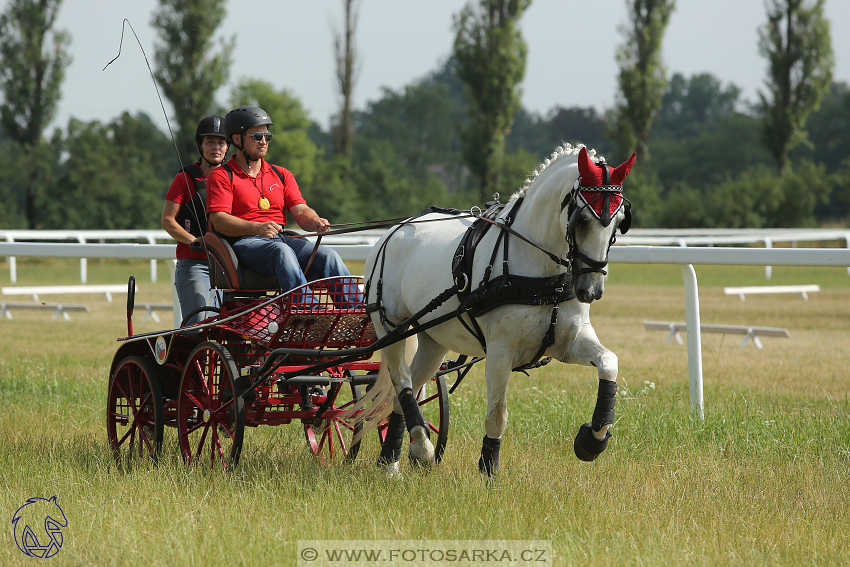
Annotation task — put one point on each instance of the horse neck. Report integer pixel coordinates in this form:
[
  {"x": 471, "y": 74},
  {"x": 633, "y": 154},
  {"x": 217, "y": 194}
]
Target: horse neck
[{"x": 540, "y": 217}]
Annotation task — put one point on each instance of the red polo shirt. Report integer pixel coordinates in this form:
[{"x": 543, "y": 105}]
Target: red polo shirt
[
  {"x": 182, "y": 183},
  {"x": 241, "y": 198}
]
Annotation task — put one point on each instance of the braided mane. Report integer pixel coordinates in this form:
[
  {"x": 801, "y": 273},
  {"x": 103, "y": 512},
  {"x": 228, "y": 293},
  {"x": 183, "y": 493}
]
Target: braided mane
[{"x": 564, "y": 149}]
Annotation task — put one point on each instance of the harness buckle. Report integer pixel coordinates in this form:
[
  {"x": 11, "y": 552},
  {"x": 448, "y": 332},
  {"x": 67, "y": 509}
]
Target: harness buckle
[{"x": 465, "y": 283}]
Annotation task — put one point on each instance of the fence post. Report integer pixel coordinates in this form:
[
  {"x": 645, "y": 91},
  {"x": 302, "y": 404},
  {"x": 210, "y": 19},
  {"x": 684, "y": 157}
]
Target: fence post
[
  {"x": 152, "y": 240},
  {"x": 84, "y": 263},
  {"x": 689, "y": 276}
]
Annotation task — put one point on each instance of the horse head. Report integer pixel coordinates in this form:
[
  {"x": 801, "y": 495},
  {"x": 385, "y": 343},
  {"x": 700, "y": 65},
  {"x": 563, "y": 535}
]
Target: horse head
[{"x": 595, "y": 209}]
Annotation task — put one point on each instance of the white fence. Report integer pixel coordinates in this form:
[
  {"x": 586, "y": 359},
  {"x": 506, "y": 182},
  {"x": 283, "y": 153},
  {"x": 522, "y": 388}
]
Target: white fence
[
  {"x": 684, "y": 257},
  {"x": 364, "y": 238}
]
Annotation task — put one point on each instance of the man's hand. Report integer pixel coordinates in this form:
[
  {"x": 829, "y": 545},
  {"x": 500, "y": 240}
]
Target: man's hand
[
  {"x": 321, "y": 226},
  {"x": 269, "y": 229}
]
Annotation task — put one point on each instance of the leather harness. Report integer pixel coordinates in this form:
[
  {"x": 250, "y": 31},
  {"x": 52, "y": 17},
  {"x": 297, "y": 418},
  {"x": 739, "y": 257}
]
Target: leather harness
[{"x": 504, "y": 289}]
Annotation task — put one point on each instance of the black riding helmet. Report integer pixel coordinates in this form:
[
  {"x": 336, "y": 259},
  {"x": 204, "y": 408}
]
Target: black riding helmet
[
  {"x": 240, "y": 119},
  {"x": 209, "y": 126}
]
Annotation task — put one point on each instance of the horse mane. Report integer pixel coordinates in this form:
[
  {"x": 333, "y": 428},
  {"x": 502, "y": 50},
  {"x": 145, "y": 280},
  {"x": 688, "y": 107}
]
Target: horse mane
[{"x": 561, "y": 151}]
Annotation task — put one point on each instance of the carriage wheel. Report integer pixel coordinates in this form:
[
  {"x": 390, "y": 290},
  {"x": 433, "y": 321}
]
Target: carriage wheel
[
  {"x": 210, "y": 420},
  {"x": 134, "y": 412},
  {"x": 434, "y": 405},
  {"x": 330, "y": 439}
]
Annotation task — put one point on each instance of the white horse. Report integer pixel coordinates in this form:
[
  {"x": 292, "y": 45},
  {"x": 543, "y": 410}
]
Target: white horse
[{"x": 563, "y": 229}]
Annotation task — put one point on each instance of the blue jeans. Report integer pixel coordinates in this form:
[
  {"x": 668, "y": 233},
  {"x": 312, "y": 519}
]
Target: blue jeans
[
  {"x": 192, "y": 280},
  {"x": 286, "y": 259}
]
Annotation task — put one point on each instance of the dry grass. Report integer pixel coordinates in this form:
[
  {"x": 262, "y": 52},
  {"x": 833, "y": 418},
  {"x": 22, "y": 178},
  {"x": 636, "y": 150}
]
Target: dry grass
[{"x": 761, "y": 481}]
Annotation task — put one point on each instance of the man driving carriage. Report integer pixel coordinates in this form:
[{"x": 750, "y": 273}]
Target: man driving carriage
[{"x": 247, "y": 200}]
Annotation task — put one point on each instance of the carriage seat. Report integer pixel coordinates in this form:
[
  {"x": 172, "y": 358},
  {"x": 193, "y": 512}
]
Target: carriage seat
[{"x": 225, "y": 271}]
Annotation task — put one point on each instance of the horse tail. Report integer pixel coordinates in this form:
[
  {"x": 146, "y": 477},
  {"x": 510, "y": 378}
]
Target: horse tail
[{"x": 379, "y": 399}]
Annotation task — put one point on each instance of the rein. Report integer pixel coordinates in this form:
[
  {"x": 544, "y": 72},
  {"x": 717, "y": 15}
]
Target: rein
[{"x": 386, "y": 223}]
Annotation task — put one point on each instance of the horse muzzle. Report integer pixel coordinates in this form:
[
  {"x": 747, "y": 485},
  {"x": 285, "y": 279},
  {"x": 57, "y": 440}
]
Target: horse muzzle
[{"x": 589, "y": 287}]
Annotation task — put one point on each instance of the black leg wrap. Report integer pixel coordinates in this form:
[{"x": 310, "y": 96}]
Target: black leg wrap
[
  {"x": 489, "y": 461},
  {"x": 412, "y": 413},
  {"x": 391, "y": 450},
  {"x": 605, "y": 399}
]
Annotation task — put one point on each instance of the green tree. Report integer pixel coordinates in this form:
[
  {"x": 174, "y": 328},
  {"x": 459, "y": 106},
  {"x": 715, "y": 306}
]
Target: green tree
[
  {"x": 761, "y": 198},
  {"x": 796, "y": 42},
  {"x": 187, "y": 72},
  {"x": 691, "y": 105},
  {"x": 541, "y": 136},
  {"x": 346, "y": 62},
  {"x": 115, "y": 175},
  {"x": 642, "y": 79},
  {"x": 490, "y": 54},
  {"x": 291, "y": 146},
  {"x": 385, "y": 189},
  {"x": 827, "y": 128},
  {"x": 34, "y": 60},
  {"x": 334, "y": 191},
  {"x": 417, "y": 121}
]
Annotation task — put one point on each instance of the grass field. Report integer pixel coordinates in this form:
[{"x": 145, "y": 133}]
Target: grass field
[{"x": 763, "y": 480}]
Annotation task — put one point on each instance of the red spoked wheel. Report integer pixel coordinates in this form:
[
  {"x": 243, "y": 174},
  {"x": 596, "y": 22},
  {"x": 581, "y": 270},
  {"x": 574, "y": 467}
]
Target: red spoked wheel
[
  {"x": 330, "y": 438},
  {"x": 210, "y": 419},
  {"x": 434, "y": 404},
  {"x": 134, "y": 412}
]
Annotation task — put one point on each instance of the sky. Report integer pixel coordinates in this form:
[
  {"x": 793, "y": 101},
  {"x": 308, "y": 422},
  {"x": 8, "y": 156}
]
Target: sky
[{"x": 289, "y": 43}]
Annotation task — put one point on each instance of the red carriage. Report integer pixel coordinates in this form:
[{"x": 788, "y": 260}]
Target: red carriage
[{"x": 263, "y": 358}]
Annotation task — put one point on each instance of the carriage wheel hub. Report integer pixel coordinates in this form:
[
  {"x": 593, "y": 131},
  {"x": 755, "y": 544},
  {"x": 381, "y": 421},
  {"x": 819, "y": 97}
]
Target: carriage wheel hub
[{"x": 207, "y": 416}]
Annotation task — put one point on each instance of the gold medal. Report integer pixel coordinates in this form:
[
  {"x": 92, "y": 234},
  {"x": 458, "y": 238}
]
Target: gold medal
[{"x": 264, "y": 203}]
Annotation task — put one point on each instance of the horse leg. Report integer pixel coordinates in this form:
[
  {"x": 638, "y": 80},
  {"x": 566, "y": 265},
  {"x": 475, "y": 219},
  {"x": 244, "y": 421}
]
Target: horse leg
[
  {"x": 497, "y": 372},
  {"x": 592, "y": 438},
  {"x": 408, "y": 380}
]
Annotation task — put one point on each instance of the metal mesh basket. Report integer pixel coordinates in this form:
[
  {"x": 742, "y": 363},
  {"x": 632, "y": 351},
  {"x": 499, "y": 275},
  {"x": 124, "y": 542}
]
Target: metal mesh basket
[{"x": 328, "y": 314}]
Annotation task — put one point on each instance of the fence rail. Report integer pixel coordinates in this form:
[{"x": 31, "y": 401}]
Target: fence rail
[{"x": 684, "y": 257}]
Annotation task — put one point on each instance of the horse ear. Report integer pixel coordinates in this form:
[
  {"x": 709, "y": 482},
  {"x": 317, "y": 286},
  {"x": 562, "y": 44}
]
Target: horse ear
[
  {"x": 622, "y": 170},
  {"x": 588, "y": 170},
  {"x": 627, "y": 220}
]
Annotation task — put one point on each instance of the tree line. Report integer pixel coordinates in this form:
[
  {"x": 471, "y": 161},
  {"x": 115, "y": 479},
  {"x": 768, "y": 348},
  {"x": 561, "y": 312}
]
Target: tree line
[{"x": 707, "y": 158}]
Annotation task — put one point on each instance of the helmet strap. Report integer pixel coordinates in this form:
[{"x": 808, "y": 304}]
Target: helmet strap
[
  {"x": 248, "y": 157},
  {"x": 211, "y": 163}
]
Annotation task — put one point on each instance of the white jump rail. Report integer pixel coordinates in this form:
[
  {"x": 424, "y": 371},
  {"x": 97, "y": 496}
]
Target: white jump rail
[
  {"x": 58, "y": 308},
  {"x": 742, "y": 292},
  {"x": 150, "y": 310},
  {"x": 37, "y": 290},
  {"x": 749, "y": 332}
]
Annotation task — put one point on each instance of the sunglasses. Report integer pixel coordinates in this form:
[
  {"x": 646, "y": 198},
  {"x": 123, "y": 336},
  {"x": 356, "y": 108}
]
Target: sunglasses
[{"x": 258, "y": 136}]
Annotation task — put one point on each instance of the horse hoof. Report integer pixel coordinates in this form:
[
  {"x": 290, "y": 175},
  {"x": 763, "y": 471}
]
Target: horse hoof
[
  {"x": 391, "y": 470},
  {"x": 587, "y": 446},
  {"x": 421, "y": 450}
]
